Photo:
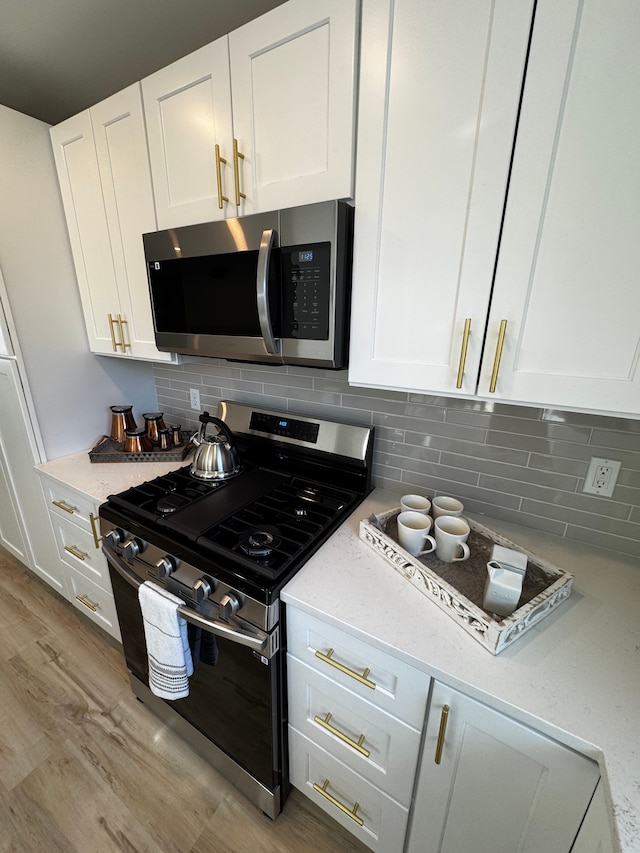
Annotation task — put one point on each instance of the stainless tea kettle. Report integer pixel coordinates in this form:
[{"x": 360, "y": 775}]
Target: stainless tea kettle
[{"x": 215, "y": 458}]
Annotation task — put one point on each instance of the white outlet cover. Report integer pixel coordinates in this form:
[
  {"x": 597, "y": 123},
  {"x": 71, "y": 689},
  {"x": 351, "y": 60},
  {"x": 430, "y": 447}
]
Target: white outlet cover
[{"x": 605, "y": 488}]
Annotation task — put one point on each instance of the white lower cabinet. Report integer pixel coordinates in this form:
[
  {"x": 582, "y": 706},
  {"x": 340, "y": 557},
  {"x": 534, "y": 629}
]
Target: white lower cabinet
[
  {"x": 74, "y": 518},
  {"x": 595, "y": 833},
  {"x": 490, "y": 784},
  {"x": 355, "y": 725},
  {"x": 406, "y": 772}
]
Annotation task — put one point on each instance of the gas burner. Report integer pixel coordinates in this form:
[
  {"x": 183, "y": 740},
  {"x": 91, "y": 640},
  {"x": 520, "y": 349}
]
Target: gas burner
[
  {"x": 261, "y": 542},
  {"x": 171, "y": 502}
]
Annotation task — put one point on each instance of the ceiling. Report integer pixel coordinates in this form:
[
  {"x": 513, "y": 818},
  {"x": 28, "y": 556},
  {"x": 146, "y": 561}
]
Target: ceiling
[{"x": 58, "y": 57}]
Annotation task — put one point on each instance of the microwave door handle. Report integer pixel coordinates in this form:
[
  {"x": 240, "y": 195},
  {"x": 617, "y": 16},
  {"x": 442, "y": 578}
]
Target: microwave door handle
[{"x": 271, "y": 345}]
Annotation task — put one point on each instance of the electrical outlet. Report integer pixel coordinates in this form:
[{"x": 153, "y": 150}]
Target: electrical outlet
[
  {"x": 194, "y": 396},
  {"x": 602, "y": 476}
]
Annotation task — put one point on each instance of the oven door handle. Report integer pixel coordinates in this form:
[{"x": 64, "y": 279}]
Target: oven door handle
[{"x": 257, "y": 640}]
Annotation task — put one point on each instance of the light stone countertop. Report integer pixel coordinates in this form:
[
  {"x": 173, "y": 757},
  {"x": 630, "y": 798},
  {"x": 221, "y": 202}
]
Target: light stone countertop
[
  {"x": 98, "y": 480},
  {"x": 575, "y": 677}
]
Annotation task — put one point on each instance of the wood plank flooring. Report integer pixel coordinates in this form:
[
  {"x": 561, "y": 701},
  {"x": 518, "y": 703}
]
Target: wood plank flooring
[{"x": 86, "y": 767}]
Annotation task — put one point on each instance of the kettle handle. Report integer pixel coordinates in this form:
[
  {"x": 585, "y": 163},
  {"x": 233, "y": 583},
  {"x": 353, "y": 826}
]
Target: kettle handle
[{"x": 205, "y": 418}]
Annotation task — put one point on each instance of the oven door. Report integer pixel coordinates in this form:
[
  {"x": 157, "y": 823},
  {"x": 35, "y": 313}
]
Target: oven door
[{"x": 235, "y": 704}]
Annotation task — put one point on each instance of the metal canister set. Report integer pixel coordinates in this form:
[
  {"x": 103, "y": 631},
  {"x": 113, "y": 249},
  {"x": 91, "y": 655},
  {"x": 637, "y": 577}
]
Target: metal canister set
[
  {"x": 154, "y": 436},
  {"x": 420, "y": 517}
]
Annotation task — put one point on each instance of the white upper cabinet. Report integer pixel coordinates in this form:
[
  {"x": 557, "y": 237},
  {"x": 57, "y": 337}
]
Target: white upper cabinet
[
  {"x": 188, "y": 111},
  {"x": 259, "y": 120},
  {"x": 440, "y": 85},
  {"x": 103, "y": 169},
  {"x": 293, "y": 74},
  {"x": 567, "y": 275},
  {"x": 558, "y": 324}
]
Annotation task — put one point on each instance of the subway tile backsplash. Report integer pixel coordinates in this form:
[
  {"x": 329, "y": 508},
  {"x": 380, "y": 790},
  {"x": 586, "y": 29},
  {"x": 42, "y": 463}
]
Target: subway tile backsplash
[{"x": 517, "y": 463}]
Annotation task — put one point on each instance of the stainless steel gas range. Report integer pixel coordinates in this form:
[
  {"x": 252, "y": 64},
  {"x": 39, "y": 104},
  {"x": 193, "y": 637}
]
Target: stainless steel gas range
[{"x": 225, "y": 549}]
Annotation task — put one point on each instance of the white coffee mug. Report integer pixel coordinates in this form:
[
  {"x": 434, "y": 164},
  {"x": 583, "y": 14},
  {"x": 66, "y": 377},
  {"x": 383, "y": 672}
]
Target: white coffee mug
[
  {"x": 451, "y": 534},
  {"x": 413, "y": 533},
  {"x": 446, "y": 506},
  {"x": 417, "y": 503}
]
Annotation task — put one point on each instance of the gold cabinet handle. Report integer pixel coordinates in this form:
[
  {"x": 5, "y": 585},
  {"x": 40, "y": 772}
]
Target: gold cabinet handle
[
  {"x": 112, "y": 323},
  {"x": 463, "y": 351},
  {"x": 237, "y": 155},
  {"x": 66, "y": 507},
  {"x": 122, "y": 323},
  {"x": 444, "y": 716},
  {"x": 94, "y": 529},
  {"x": 220, "y": 160},
  {"x": 496, "y": 361},
  {"x": 357, "y": 745},
  {"x": 361, "y": 678},
  {"x": 322, "y": 789},
  {"x": 83, "y": 600},
  {"x": 81, "y": 555}
]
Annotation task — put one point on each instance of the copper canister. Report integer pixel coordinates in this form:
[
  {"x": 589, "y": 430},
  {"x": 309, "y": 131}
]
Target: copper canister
[
  {"x": 121, "y": 420},
  {"x": 164, "y": 439},
  {"x": 153, "y": 424},
  {"x": 136, "y": 441}
]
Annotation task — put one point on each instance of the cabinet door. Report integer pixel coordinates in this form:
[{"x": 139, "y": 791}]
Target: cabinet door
[
  {"x": 500, "y": 786},
  {"x": 293, "y": 83},
  {"x": 187, "y": 107},
  {"x": 79, "y": 177},
  {"x": 567, "y": 275},
  {"x": 121, "y": 147},
  {"x": 440, "y": 84}
]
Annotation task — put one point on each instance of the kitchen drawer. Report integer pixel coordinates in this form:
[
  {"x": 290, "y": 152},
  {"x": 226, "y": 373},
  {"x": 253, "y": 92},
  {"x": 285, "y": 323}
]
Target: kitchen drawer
[
  {"x": 392, "y": 746},
  {"x": 384, "y": 821},
  {"x": 389, "y": 683},
  {"x": 94, "y": 601},
  {"x": 77, "y": 549},
  {"x": 67, "y": 503}
]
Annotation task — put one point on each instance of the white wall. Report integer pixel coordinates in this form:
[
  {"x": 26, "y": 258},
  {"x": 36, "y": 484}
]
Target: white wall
[{"x": 71, "y": 388}]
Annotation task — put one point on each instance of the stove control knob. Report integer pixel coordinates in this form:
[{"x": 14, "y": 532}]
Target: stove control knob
[
  {"x": 229, "y": 604},
  {"x": 132, "y": 548},
  {"x": 203, "y": 588},
  {"x": 114, "y": 538},
  {"x": 166, "y": 566}
]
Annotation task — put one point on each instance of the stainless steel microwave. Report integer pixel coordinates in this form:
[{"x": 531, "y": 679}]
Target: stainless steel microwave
[{"x": 269, "y": 288}]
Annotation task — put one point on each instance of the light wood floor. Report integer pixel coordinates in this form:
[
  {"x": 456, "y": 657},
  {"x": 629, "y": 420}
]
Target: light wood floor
[{"x": 85, "y": 767}]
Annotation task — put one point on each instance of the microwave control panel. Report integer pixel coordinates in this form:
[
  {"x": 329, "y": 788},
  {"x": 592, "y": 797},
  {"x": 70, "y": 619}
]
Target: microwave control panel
[{"x": 306, "y": 278}]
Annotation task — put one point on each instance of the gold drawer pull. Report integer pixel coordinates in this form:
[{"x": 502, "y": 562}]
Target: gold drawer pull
[
  {"x": 361, "y": 678},
  {"x": 66, "y": 507},
  {"x": 219, "y": 160},
  {"x": 76, "y": 553},
  {"x": 463, "y": 351},
  {"x": 322, "y": 789},
  {"x": 97, "y": 539},
  {"x": 444, "y": 716},
  {"x": 237, "y": 156},
  {"x": 83, "y": 600},
  {"x": 112, "y": 323},
  {"x": 357, "y": 745},
  {"x": 122, "y": 323},
  {"x": 498, "y": 356}
]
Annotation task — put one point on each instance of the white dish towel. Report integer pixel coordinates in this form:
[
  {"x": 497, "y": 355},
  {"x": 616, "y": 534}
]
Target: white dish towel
[{"x": 170, "y": 662}]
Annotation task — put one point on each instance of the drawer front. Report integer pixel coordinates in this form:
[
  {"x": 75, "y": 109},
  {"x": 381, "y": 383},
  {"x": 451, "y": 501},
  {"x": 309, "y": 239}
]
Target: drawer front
[
  {"x": 94, "y": 601},
  {"x": 376, "y": 745},
  {"x": 69, "y": 504},
  {"x": 345, "y": 796},
  {"x": 368, "y": 672},
  {"x": 78, "y": 550}
]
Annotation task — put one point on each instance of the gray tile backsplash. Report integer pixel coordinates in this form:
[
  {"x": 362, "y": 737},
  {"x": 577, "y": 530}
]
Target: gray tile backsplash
[{"x": 518, "y": 463}]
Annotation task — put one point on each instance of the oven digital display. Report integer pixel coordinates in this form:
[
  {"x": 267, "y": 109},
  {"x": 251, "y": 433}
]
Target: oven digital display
[
  {"x": 285, "y": 427},
  {"x": 305, "y": 257}
]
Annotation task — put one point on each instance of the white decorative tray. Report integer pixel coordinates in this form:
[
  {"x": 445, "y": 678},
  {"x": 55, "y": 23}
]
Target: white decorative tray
[{"x": 458, "y": 588}]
